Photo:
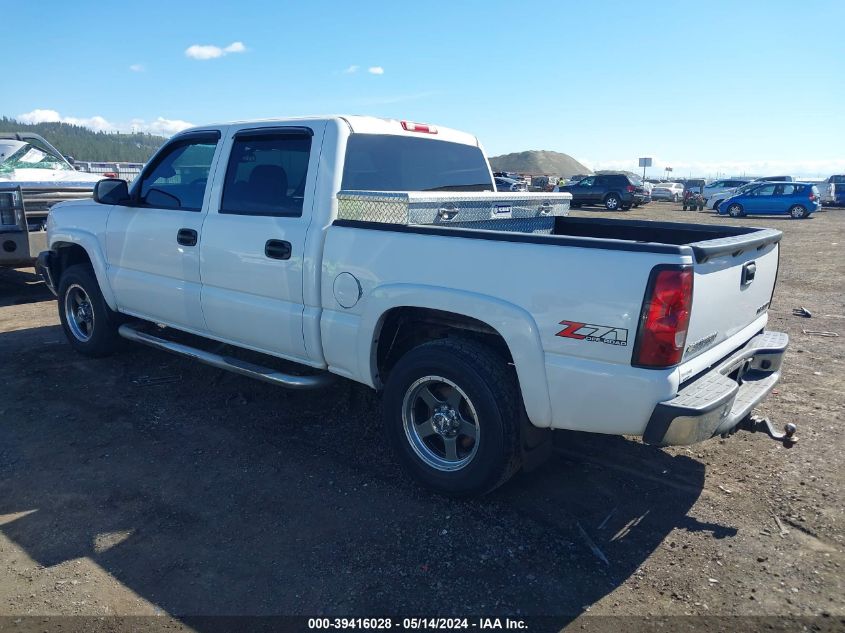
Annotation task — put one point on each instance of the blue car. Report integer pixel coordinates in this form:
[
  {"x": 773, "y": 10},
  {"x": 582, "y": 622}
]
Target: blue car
[{"x": 796, "y": 199}]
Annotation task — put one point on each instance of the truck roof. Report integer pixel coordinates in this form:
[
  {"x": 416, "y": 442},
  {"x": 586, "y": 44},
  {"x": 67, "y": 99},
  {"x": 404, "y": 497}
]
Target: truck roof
[{"x": 360, "y": 124}]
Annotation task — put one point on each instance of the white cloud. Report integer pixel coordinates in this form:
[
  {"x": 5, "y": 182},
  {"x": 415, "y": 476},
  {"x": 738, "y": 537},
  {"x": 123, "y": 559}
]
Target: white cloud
[
  {"x": 352, "y": 69},
  {"x": 375, "y": 70},
  {"x": 160, "y": 126},
  {"x": 209, "y": 51},
  {"x": 235, "y": 47},
  {"x": 137, "y": 68}
]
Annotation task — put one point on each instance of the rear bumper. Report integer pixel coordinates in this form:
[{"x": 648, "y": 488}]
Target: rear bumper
[{"x": 721, "y": 398}]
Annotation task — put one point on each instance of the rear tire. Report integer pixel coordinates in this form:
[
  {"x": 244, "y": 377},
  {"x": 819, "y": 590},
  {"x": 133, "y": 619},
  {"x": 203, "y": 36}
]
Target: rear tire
[
  {"x": 452, "y": 415},
  {"x": 612, "y": 202},
  {"x": 89, "y": 324},
  {"x": 736, "y": 210},
  {"x": 798, "y": 212}
]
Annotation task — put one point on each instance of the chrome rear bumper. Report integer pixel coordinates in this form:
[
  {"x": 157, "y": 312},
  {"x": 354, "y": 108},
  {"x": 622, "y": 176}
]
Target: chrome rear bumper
[{"x": 715, "y": 402}]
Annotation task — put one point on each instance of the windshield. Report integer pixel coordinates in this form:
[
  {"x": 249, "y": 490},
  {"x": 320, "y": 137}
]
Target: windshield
[
  {"x": 381, "y": 162},
  {"x": 30, "y": 157}
]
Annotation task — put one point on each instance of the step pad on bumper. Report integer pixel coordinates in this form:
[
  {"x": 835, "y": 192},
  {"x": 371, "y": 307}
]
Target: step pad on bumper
[{"x": 717, "y": 401}]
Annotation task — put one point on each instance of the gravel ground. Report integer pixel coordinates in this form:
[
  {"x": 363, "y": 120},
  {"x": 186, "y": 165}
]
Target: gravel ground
[{"x": 143, "y": 484}]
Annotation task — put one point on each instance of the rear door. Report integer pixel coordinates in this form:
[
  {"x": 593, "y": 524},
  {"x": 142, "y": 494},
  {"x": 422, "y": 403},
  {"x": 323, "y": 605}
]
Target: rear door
[
  {"x": 254, "y": 238},
  {"x": 600, "y": 189}
]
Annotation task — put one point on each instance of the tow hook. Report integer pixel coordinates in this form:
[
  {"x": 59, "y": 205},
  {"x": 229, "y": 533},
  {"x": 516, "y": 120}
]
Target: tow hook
[{"x": 755, "y": 423}]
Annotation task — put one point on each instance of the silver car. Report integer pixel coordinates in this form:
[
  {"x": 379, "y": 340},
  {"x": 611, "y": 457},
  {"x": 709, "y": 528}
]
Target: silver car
[{"x": 670, "y": 191}]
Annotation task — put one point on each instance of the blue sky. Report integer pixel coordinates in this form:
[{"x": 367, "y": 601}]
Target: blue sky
[{"x": 705, "y": 87}]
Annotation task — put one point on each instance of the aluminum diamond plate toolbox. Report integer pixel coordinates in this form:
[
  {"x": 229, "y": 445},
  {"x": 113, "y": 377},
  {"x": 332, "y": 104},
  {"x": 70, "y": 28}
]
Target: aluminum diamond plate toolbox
[{"x": 517, "y": 211}]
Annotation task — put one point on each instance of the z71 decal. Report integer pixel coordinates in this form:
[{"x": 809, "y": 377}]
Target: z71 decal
[{"x": 594, "y": 333}]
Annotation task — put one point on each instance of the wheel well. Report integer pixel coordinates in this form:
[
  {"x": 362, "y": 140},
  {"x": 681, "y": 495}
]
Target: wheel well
[
  {"x": 404, "y": 328},
  {"x": 68, "y": 255}
]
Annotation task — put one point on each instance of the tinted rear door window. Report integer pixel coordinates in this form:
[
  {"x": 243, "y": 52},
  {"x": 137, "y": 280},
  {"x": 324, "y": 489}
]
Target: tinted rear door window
[
  {"x": 376, "y": 162},
  {"x": 266, "y": 174}
]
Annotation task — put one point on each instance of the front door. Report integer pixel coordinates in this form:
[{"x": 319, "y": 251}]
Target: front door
[
  {"x": 254, "y": 239},
  {"x": 152, "y": 243},
  {"x": 760, "y": 200},
  {"x": 583, "y": 191}
]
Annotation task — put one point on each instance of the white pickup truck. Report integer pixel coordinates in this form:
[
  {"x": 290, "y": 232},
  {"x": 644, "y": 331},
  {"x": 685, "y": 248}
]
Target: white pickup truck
[{"x": 378, "y": 251}]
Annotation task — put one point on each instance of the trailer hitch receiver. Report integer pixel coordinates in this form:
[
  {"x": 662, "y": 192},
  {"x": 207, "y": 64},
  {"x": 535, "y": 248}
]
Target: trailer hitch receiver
[{"x": 756, "y": 423}]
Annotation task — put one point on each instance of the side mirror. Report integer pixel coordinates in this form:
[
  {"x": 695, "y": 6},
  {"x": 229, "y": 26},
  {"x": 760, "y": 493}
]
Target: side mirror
[{"x": 111, "y": 191}]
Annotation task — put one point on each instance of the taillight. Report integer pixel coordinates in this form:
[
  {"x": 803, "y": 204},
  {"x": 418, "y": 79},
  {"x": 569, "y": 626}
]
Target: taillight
[
  {"x": 630, "y": 188},
  {"x": 664, "y": 319},
  {"x": 812, "y": 196},
  {"x": 410, "y": 126}
]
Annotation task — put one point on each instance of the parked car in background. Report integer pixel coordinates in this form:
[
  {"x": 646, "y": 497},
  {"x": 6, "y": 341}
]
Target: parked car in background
[
  {"x": 671, "y": 191},
  {"x": 774, "y": 179},
  {"x": 509, "y": 184},
  {"x": 33, "y": 177},
  {"x": 837, "y": 190},
  {"x": 716, "y": 191},
  {"x": 796, "y": 199},
  {"x": 543, "y": 183},
  {"x": 612, "y": 191},
  {"x": 696, "y": 185},
  {"x": 647, "y": 187}
]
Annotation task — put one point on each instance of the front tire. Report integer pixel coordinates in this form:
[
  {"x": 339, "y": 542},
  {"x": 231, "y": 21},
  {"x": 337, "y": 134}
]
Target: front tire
[
  {"x": 452, "y": 415},
  {"x": 611, "y": 202},
  {"x": 736, "y": 211},
  {"x": 797, "y": 212},
  {"x": 89, "y": 324}
]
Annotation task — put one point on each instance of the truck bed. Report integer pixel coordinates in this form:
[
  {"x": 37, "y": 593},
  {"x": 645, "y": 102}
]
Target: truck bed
[{"x": 702, "y": 241}]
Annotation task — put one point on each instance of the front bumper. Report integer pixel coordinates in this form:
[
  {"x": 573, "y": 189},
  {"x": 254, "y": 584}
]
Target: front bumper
[{"x": 716, "y": 401}]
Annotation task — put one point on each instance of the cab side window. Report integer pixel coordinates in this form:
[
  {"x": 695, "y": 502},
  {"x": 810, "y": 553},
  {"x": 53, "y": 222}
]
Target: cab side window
[
  {"x": 266, "y": 174},
  {"x": 178, "y": 177}
]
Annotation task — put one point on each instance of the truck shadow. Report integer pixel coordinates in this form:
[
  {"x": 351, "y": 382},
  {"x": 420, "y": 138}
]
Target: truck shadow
[
  {"x": 21, "y": 285},
  {"x": 208, "y": 494}
]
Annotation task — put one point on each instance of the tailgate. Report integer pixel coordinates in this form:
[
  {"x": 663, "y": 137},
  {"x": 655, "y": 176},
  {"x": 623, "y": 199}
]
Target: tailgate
[{"x": 733, "y": 284}]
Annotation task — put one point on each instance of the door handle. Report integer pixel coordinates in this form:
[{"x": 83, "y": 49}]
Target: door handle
[
  {"x": 277, "y": 249},
  {"x": 187, "y": 237},
  {"x": 749, "y": 271}
]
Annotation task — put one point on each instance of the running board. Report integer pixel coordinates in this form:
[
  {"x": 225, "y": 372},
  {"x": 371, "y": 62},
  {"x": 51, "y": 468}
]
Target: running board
[{"x": 291, "y": 381}]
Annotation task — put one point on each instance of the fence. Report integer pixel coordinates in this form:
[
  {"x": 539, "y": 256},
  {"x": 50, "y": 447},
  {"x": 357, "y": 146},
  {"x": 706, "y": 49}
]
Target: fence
[{"x": 127, "y": 171}]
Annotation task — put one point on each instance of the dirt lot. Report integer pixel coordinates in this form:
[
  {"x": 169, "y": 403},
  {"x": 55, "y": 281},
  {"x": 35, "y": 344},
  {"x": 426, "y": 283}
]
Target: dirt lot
[{"x": 145, "y": 484}]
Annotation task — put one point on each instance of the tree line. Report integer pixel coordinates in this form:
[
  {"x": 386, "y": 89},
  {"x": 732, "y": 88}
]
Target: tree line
[{"x": 88, "y": 145}]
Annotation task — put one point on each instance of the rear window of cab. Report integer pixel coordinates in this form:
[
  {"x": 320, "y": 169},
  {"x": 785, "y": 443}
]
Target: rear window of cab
[{"x": 383, "y": 162}]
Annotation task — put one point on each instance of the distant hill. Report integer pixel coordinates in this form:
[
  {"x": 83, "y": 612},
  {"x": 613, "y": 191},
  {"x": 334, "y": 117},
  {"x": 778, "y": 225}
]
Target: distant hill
[
  {"x": 87, "y": 145},
  {"x": 539, "y": 162}
]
